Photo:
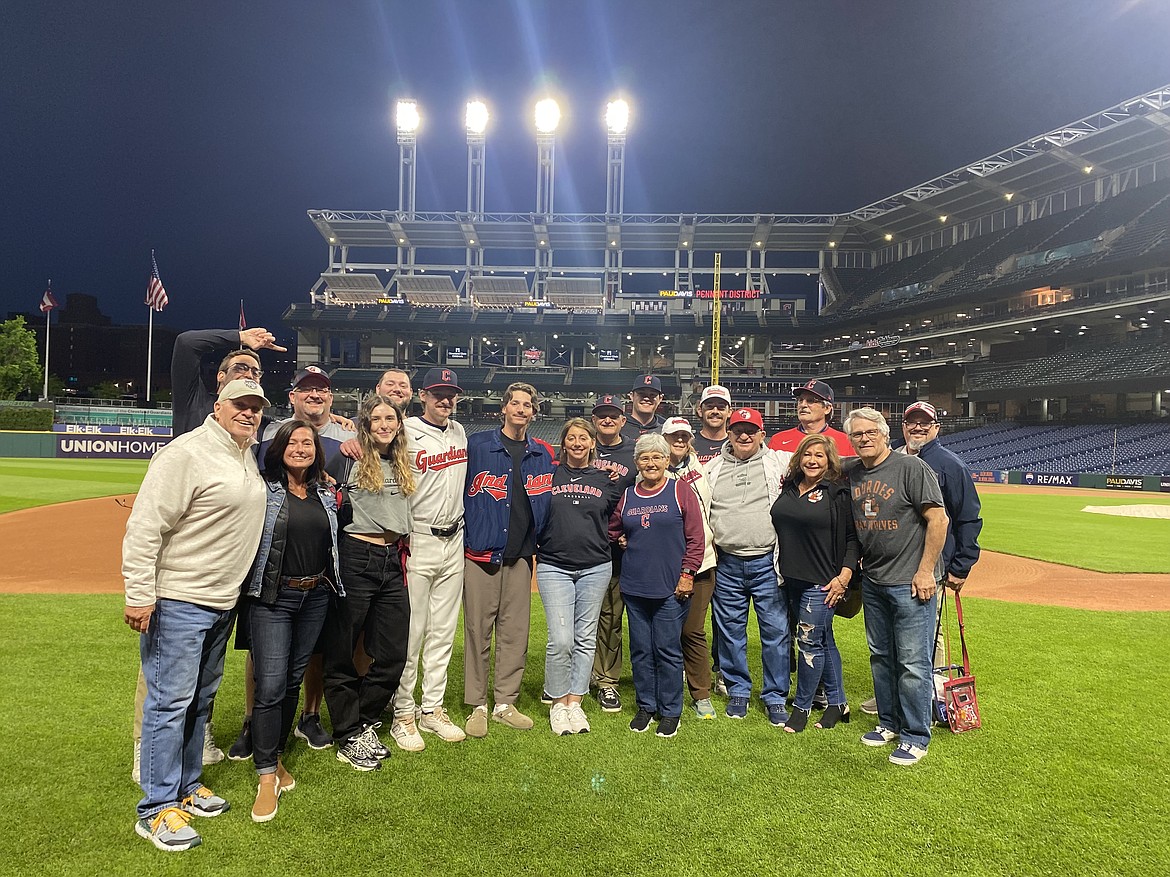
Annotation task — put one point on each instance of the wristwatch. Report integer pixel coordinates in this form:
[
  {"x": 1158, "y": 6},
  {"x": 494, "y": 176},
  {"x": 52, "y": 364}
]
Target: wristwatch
[{"x": 688, "y": 572}]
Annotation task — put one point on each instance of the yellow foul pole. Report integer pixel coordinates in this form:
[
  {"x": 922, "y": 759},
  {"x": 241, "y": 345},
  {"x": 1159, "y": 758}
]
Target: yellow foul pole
[{"x": 716, "y": 313}]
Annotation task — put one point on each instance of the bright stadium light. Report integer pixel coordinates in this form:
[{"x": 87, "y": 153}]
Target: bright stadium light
[
  {"x": 476, "y": 117},
  {"x": 406, "y": 116},
  {"x": 617, "y": 117},
  {"x": 548, "y": 116}
]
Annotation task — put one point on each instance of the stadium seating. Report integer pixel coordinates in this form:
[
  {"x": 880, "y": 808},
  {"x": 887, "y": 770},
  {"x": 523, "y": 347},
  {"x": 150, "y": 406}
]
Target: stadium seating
[{"x": 1131, "y": 449}]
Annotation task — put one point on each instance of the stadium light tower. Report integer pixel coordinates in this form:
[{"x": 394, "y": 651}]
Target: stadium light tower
[
  {"x": 476, "y": 120},
  {"x": 406, "y": 120},
  {"x": 548, "y": 116},
  {"x": 617, "y": 122}
]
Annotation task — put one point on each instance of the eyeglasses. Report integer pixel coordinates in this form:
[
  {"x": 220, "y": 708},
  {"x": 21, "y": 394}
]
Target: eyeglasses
[
  {"x": 868, "y": 435},
  {"x": 240, "y": 368},
  {"x": 308, "y": 391},
  {"x": 918, "y": 425},
  {"x": 652, "y": 458},
  {"x": 678, "y": 437}
]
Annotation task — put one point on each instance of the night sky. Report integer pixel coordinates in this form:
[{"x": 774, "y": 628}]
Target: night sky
[{"x": 205, "y": 130}]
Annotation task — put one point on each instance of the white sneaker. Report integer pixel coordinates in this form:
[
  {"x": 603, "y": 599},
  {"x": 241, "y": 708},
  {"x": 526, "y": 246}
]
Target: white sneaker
[
  {"x": 440, "y": 724},
  {"x": 406, "y": 735},
  {"x": 136, "y": 771},
  {"x": 212, "y": 754},
  {"x": 558, "y": 718},
  {"x": 578, "y": 721}
]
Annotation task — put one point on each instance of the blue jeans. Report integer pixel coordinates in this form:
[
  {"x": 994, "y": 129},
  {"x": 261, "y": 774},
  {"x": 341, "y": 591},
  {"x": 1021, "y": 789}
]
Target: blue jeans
[
  {"x": 818, "y": 660},
  {"x": 738, "y": 583},
  {"x": 572, "y": 602},
  {"x": 283, "y": 636},
  {"x": 900, "y": 631},
  {"x": 656, "y": 657},
  {"x": 182, "y": 661}
]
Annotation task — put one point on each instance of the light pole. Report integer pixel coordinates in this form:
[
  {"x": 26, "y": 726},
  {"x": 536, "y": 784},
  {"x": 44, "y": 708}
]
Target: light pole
[{"x": 617, "y": 121}]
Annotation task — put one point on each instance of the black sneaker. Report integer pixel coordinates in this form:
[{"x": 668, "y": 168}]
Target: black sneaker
[
  {"x": 610, "y": 700},
  {"x": 358, "y": 756},
  {"x": 242, "y": 749},
  {"x": 369, "y": 736},
  {"x": 545, "y": 697},
  {"x": 641, "y": 721},
  {"x": 309, "y": 729},
  {"x": 667, "y": 726}
]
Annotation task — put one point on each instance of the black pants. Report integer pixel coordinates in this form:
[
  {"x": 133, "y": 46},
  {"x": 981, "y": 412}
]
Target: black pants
[{"x": 375, "y": 602}]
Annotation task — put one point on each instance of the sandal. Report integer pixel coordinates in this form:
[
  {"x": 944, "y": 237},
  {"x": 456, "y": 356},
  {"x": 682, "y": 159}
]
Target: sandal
[
  {"x": 797, "y": 721},
  {"x": 833, "y": 715}
]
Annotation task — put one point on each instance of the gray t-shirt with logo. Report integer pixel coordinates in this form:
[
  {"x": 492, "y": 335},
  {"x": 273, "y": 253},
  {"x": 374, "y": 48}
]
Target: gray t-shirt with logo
[{"x": 888, "y": 501}]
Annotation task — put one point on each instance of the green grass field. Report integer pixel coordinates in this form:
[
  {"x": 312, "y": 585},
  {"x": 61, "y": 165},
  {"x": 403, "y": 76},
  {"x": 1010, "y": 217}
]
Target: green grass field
[
  {"x": 25, "y": 483},
  {"x": 1054, "y": 528},
  {"x": 1065, "y": 778}
]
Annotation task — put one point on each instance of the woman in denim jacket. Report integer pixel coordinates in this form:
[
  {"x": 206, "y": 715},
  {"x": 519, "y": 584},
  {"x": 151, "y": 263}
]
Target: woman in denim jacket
[{"x": 288, "y": 596}]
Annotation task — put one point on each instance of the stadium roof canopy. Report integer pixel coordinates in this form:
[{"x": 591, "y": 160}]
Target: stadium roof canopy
[{"x": 1129, "y": 135}]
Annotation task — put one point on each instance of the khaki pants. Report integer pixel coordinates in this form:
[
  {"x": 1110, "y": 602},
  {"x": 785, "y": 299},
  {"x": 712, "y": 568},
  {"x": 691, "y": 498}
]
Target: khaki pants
[
  {"x": 607, "y": 660},
  {"x": 696, "y": 651},
  {"x": 496, "y": 597}
]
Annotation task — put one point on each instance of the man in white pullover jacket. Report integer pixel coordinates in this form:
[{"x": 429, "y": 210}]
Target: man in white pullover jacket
[{"x": 190, "y": 539}]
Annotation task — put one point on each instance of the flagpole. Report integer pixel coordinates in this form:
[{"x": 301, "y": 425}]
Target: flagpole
[
  {"x": 149, "y": 347},
  {"x": 48, "y": 314}
]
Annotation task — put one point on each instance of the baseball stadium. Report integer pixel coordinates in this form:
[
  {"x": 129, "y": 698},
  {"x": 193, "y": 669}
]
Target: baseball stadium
[{"x": 1024, "y": 295}]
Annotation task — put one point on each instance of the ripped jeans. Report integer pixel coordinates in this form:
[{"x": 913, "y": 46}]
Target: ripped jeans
[
  {"x": 572, "y": 603},
  {"x": 817, "y": 660}
]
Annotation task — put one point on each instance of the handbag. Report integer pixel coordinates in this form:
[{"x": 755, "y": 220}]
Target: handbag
[
  {"x": 956, "y": 700},
  {"x": 850, "y": 604}
]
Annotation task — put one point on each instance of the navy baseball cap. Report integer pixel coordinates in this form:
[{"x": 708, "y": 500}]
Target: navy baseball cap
[
  {"x": 609, "y": 401},
  {"x": 310, "y": 376},
  {"x": 439, "y": 378},
  {"x": 818, "y": 388},
  {"x": 648, "y": 382}
]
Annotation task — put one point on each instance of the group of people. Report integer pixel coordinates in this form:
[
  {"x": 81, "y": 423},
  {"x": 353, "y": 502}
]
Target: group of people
[{"x": 357, "y": 543}]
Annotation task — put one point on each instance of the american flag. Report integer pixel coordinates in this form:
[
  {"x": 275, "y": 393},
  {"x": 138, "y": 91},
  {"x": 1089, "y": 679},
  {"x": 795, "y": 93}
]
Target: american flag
[
  {"x": 156, "y": 296},
  {"x": 243, "y": 322},
  {"x": 47, "y": 300}
]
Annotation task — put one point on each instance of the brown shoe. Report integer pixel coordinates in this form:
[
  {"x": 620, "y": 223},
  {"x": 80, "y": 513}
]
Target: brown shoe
[
  {"x": 267, "y": 796},
  {"x": 286, "y": 781},
  {"x": 513, "y": 718},
  {"x": 477, "y": 722}
]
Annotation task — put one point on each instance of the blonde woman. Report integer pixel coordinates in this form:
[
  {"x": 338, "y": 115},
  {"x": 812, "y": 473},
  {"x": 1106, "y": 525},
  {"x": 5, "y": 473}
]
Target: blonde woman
[{"x": 376, "y": 515}]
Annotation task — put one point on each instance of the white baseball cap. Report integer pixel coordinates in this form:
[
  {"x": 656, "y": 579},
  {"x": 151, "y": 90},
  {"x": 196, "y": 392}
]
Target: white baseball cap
[
  {"x": 715, "y": 391},
  {"x": 677, "y": 424}
]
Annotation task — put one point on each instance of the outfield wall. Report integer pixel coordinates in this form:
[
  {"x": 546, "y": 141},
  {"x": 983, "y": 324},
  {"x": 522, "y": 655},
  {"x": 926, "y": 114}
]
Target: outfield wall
[{"x": 1092, "y": 480}]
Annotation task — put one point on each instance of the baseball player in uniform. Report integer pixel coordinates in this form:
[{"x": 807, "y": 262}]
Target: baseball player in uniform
[{"x": 434, "y": 572}]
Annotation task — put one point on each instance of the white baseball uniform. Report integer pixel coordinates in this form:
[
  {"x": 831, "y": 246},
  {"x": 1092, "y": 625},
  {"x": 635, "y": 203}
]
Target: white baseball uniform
[{"x": 434, "y": 571}]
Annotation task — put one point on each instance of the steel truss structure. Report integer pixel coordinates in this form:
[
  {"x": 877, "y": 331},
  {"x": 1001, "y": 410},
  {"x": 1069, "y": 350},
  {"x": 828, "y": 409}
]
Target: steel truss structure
[{"x": 1108, "y": 151}]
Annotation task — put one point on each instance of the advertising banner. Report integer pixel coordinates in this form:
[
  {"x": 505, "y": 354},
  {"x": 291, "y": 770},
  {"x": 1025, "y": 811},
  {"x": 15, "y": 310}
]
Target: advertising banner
[
  {"x": 607, "y": 355},
  {"x": 1123, "y": 482},
  {"x": 1050, "y": 479},
  {"x": 105, "y": 429},
  {"x": 990, "y": 477},
  {"x": 457, "y": 356},
  {"x": 1166, "y": 484},
  {"x": 111, "y": 447}
]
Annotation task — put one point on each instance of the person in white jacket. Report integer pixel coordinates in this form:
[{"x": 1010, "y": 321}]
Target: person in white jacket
[{"x": 190, "y": 539}]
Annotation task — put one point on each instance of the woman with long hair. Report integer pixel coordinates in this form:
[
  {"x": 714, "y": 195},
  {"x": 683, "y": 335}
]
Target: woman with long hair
[
  {"x": 813, "y": 517},
  {"x": 376, "y": 516},
  {"x": 572, "y": 572},
  {"x": 287, "y": 596}
]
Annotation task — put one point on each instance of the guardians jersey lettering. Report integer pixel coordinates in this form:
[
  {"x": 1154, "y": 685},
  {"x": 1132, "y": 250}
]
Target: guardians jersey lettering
[{"x": 453, "y": 456}]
